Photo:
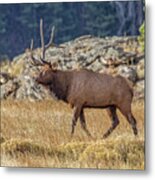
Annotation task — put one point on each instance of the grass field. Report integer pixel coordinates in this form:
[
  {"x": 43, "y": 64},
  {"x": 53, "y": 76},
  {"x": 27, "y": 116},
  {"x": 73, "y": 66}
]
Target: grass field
[{"x": 37, "y": 134}]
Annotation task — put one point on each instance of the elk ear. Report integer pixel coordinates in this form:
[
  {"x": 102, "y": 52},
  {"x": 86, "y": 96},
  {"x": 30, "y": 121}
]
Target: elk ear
[{"x": 54, "y": 66}]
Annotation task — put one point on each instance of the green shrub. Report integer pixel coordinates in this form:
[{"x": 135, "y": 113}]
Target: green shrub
[{"x": 141, "y": 38}]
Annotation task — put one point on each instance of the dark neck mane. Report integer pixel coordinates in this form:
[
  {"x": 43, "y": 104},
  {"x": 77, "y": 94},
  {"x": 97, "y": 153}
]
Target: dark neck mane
[{"x": 61, "y": 84}]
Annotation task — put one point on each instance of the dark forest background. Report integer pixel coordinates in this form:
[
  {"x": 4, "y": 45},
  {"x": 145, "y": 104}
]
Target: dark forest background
[{"x": 20, "y": 22}]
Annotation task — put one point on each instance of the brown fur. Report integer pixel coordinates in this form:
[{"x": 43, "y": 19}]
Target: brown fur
[{"x": 87, "y": 89}]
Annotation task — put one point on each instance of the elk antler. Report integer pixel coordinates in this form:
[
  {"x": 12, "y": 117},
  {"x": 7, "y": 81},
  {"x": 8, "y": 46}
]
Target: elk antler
[{"x": 44, "y": 47}]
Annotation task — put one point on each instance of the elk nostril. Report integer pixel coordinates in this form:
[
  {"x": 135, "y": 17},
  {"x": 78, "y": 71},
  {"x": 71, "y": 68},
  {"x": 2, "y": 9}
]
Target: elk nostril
[{"x": 35, "y": 78}]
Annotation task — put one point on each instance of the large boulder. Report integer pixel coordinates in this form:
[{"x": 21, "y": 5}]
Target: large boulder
[
  {"x": 141, "y": 70},
  {"x": 4, "y": 77},
  {"x": 139, "y": 89},
  {"x": 29, "y": 89},
  {"x": 107, "y": 55},
  {"x": 128, "y": 72},
  {"x": 9, "y": 89}
]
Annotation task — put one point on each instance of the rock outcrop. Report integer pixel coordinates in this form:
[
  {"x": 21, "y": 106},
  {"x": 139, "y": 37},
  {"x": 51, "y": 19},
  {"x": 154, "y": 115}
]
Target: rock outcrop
[{"x": 114, "y": 55}]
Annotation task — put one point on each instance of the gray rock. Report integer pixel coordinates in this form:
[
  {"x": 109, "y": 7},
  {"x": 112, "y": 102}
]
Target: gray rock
[
  {"x": 29, "y": 89},
  {"x": 112, "y": 53},
  {"x": 4, "y": 77},
  {"x": 84, "y": 52},
  {"x": 139, "y": 89},
  {"x": 127, "y": 72},
  {"x": 8, "y": 89},
  {"x": 140, "y": 70}
]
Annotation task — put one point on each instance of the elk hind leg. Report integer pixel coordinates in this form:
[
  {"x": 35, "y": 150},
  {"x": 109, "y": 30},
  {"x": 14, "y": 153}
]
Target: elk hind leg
[
  {"x": 131, "y": 119},
  {"x": 115, "y": 121},
  {"x": 126, "y": 111}
]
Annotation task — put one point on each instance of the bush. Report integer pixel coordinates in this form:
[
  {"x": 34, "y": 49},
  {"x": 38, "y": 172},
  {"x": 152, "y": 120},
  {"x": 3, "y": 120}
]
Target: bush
[{"x": 141, "y": 38}]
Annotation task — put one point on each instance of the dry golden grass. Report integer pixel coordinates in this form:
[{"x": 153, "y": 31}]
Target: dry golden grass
[{"x": 37, "y": 134}]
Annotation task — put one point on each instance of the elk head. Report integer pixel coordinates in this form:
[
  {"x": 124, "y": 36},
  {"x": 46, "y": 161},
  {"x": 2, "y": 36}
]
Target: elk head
[
  {"x": 47, "y": 69},
  {"x": 46, "y": 74}
]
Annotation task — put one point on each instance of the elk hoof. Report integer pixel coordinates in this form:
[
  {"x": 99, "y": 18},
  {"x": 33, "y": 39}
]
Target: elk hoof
[
  {"x": 105, "y": 136},
  {"x": 135, "y": 132}
]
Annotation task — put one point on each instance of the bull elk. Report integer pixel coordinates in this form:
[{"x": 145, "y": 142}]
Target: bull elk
[{"x": 86, "y": 89}]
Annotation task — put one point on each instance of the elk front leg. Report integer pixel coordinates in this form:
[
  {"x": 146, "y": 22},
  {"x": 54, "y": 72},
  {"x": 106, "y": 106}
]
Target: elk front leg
[
  {"x": 83, "y": 123},
  {"x": 76, "y": 114}
]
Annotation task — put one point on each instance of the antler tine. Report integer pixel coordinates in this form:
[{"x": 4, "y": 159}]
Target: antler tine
[
  {"x": 31, "y": 45},
  {"x": 42, "y": 39},
  {"x": 31, "y": 51},
  {"x": 51, "y": 38},
  {"x": 44, "y": 47},
  {"x": 34, "y": 60},
  {"x": 43, "y": 43}
]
